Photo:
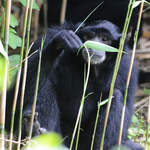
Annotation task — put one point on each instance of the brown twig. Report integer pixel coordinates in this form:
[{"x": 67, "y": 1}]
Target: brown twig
[{"x": 63, "y": 11}]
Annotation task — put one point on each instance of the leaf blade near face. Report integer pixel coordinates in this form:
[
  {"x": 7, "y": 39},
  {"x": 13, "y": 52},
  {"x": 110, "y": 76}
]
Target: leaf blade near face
[{"x": 99, "y": 46}]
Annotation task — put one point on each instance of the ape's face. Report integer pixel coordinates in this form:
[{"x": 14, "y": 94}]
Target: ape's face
[{"x": 99, "y": 35}]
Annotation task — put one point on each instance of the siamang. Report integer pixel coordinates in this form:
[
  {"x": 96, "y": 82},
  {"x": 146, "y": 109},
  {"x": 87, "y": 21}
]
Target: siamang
[
  {"x": 112, "y": 10},
  {"x": 61, "y": 86}
]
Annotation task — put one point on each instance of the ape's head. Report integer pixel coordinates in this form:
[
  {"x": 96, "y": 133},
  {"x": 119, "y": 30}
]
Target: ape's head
[{"x": 101, "y": 31}]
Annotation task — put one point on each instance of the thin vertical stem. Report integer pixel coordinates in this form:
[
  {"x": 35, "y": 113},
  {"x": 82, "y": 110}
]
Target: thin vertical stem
[
  {"x": 148, "y": 125},
  {"x": 63, "y": 11},
  {"x": 36, "y": 93},
  {"x": 96, "y": 121},
  {"x": 45, "y": 14}
]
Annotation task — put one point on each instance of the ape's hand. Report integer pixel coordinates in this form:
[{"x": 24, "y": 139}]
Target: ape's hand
[{"x": 67, "y": 40}]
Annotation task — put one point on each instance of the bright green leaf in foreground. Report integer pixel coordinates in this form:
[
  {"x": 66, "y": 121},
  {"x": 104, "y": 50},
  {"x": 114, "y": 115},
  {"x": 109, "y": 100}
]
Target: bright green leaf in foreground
[
  {"x": 3, "y": 58},
  {"x": 49, "y": 141},
  {"x": 120, "y": 148},
  {"x": 99, "y": 46},
  {"x": 2, "y": 71}
]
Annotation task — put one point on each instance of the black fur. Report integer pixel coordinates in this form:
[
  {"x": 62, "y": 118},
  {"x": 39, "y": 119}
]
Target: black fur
[{"x": 61, "y": 88}]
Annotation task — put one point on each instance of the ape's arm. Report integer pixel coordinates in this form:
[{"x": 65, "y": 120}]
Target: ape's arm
[{"x": 56, "y": 40}]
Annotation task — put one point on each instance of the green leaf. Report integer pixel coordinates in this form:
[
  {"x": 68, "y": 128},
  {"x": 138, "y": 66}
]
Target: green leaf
[
  {"x": 99, "y": 46},
  {"x": 12, "y": 30},
  {"x": 2, "y": 51},
  {"x": 14, "y": 60},
  {"x": 146, "y": 91},
  {"x": 136, "y": 3},
  {"x": 49, "y": 141},
  {"x": 103, "y": 102},
  {"x": 13, "y": 21},
  {"x": 14, "y": 40},
  {"x": 35, "y": 6},
  {"x": 135, "y": 119},
  {"x": 0, "y": 20},
  {"x": 120, "y": 148},
  {"x": 147, "y": 2},
  {"x": 2, "y": 71}
]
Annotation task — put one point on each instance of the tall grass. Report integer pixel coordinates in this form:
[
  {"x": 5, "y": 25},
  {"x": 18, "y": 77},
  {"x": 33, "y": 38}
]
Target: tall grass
[
  {"x": 118, "y": 60},
  {"x": 79, "y": 116},
  {"x": 24, "y": 73},
  {"x": 18, "y": 74},
  {"x": 76, "y": 131}
]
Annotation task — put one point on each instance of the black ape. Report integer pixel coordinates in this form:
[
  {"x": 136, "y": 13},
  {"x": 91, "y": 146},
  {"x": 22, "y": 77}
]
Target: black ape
[
  {"x": 68, "y": 81},
  {"x": 61, "y": 86}
]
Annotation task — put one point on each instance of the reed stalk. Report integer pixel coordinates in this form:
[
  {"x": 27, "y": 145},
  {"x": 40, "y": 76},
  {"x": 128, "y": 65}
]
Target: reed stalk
[
  {"x": 63, "y": 11},
  {"x": 25, "y": 73},
  {"x": 36, "y": 92},
  {"x": 79, "y": 116},
  {"x": 18, "y": 75}
]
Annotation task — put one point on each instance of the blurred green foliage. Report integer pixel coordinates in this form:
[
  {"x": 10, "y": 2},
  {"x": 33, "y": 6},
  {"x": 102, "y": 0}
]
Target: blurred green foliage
[{"x": 48, "y": 141}]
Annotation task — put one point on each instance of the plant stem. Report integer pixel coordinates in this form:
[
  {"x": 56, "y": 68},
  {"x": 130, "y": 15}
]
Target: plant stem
[
  {"x": 96, "y": 121},
  {"x": 63, "y": 11},
  {"x": 82, "y": 102},
  {"x": 18, "y": 76},
  {"x": 148, "y": 125},
  {"x": 25, "y": 73},
  {"x": 36, "y": 92}
]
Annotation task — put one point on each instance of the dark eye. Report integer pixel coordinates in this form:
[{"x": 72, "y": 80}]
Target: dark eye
[
  {"x": 105, "y": 38},
  {"x": 88, "y": 36}
]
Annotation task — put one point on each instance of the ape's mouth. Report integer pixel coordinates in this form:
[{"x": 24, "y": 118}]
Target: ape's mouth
[{"x": 96, "y": 57}]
